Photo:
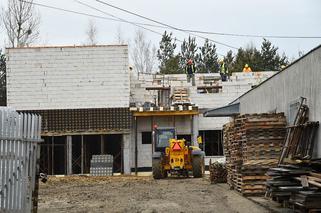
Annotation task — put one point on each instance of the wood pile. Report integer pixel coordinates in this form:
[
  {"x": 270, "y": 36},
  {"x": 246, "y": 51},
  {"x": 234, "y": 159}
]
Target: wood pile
[
  {"x": 295, "y": 186},
  {"x": 252, "y": 144},
  {"x": 218, "y": 173},
  {"x": 180, "y": 96},
  {"x": 297, "y": 179},
  {"x": 300, "y": 136}
]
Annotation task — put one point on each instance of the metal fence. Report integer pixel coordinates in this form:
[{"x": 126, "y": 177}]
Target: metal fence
[{"x": 19, "y": 153}]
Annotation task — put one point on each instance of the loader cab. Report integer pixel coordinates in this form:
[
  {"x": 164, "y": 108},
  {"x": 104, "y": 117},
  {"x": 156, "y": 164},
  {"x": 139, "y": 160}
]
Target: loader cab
[{"x": 161, "y": 137}]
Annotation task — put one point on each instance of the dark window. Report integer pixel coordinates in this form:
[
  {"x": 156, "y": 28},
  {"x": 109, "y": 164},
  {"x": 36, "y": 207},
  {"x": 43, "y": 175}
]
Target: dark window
[
  {"x": 186, "y": 137},
  {"x": 212, "y": 142},
  {"x": 146, "y": 137}
]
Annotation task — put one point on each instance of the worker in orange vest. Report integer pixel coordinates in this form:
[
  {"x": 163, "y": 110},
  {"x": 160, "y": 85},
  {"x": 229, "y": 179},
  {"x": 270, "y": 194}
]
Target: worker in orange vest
[{"x": 247, "y": 68}]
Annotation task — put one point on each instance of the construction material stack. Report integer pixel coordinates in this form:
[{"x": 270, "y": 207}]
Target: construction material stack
[
  {"x": 297, "y": 179},
  {"x": 218, "y": 172},
  {"x": 228, "y": 138},
  {"x": 101, "y": 165},
  {"x": 253, "y": 144},
  {"x": 180, "y": 96}
]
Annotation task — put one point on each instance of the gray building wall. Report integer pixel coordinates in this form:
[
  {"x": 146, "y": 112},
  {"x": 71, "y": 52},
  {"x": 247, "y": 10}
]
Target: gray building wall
[{"x": 301, "y": 79}]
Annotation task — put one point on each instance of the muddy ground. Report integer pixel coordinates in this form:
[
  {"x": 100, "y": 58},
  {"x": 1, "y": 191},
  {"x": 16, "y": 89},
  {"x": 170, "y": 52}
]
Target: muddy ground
[{"x": 140, "y": 194}]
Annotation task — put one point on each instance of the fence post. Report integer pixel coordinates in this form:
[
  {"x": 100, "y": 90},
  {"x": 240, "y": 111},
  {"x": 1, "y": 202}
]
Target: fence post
[{"x": 19, "y": 155}]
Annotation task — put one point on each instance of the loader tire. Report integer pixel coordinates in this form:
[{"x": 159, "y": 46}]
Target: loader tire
[
  {"x": 198, "y": 166},
  {"x": 157, "y": 169}
]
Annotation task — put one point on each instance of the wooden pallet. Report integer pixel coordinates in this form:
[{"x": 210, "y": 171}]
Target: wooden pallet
[{"x": 252, "y": 144}]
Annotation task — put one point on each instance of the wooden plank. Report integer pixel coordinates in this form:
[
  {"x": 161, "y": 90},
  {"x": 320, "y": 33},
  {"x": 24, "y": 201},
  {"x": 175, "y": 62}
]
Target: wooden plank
[{"x": 165, "y": 113}]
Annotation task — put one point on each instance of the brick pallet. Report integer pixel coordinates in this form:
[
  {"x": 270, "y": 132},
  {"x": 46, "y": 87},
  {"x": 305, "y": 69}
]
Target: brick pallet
[{"x": 252, "y": 144}]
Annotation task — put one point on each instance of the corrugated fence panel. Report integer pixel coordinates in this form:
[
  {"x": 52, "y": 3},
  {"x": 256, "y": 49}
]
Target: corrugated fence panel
[{"x": 19, "y": 138}]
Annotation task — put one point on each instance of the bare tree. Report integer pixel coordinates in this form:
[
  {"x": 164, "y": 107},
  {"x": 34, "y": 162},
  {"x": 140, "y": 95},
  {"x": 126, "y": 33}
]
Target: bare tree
[
  {"x": 91, "y": 33},
  {"x": 143, "y": 53},
  {"x": 21, "y": 22},
  {"x": 119, "y": 36}
]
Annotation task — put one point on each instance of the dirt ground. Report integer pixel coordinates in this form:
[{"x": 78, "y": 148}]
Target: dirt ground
[{"x": 140, "y": 194}]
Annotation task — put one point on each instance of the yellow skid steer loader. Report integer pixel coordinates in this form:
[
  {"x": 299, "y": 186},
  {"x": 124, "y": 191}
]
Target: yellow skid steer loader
[{"x": 175, "y": 157}]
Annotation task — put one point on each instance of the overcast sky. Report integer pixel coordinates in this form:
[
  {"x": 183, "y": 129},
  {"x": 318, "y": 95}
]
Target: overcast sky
[{"x": 265, "y": 17}]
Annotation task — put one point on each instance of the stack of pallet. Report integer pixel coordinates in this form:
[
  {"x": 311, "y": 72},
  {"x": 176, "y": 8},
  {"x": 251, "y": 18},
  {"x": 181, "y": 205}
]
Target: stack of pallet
[
  {"x": 228, "y": 137},
  {"x": 253, "y": 143},
  {"x": 180, "y": 96}
]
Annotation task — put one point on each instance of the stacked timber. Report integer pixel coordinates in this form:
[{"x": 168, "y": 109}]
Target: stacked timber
[
  {"x": 228, "y": 137},
  {"x": 297, "y": 179},
  {"x": 218, "y": 172},
  {"x": 180, "y": 96},
  {"x": 253, "y": 144},
  {"x": 295, "y": 186}
]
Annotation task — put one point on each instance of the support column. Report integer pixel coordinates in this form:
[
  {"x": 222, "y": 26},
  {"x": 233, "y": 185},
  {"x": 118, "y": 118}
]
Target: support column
[
  {"x": 52, "y": 155},
  {"x": 69, "y": 155},
  {"x": 82, "y": 155},
  {"x": 136, "y": 148},
  {"x": 126, "y": 154},
  {"x": 194, "y": 129},
  {"x": 102, "y": 145}
]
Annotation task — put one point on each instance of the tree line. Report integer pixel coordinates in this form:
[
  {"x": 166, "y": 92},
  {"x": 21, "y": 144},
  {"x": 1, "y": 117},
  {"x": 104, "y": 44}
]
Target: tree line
[{"x": 206, "y": 59}]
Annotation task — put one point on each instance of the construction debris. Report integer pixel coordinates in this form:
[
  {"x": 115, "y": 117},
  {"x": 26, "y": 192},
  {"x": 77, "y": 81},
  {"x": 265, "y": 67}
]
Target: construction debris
[
  {"x": 252, "y": 144},
  {"x": 295, "y": 186},
  {"x": 300, "y": 137},
  {"x": 294, "y": 182},
  {"x": 218, "y": 172}
]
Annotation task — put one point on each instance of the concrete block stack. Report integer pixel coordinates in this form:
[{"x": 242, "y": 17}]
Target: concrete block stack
[
  {"x": 101, "y": 165},
  {"x": 253, "y": 144}
]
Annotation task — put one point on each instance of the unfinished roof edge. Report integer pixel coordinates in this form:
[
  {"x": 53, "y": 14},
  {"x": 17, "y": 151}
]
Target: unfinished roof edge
[
  {"x": 69, "y": 46},
  {"x": 224, "y": 111},
  {"x": 284, "y": 70}
]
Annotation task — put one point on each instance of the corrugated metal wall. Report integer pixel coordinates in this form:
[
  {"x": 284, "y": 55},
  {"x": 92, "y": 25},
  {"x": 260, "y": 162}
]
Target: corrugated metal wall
[{"x": 300, "y": 79}]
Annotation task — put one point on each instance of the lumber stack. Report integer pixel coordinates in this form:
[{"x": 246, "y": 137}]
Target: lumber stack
[
  {"x": 253, "y": 143},
  {"x": 228, "y": 138},
  {"x": 297, "y": 179},
  {"x": 218, "y": 173},
  {"x": 295, "y": 186},
  {"x": 180, "y": 96}
]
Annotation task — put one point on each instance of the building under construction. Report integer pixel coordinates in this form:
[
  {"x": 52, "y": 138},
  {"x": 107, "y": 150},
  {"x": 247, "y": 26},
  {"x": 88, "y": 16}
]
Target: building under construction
[{"x": 91, "y": 103}]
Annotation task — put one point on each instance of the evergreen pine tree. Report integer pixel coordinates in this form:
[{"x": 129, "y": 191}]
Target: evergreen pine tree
[
  {"x": 250, "y": 56},
  {"x": 169, "y": 63},
  {"x": 188, "y": 51},
  {"x": 207, "y": 58},
  {"x": 271, "y": 60}
]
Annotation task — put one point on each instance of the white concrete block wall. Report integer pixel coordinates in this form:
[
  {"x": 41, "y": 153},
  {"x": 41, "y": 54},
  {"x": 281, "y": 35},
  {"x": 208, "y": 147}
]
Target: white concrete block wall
[
  {"x": 241, "y": 83},
  {"x": 231, "y": 90},
  {"x": 68, "y": 77},
  {"x": 212, "y": 123}
]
